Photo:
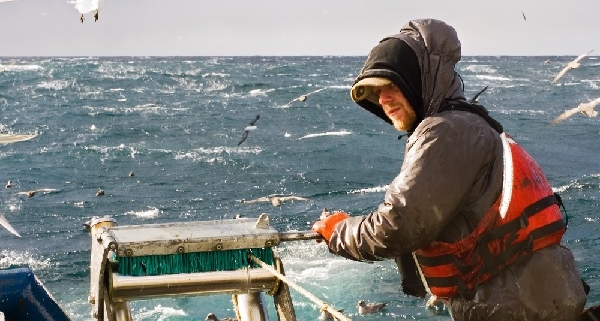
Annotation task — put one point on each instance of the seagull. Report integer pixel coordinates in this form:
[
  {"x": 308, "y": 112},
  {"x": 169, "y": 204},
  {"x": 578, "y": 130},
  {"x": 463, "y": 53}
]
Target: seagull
[
  {"x": 364, "y": 308},
  {"x": 584, "y": 108},
  {"x": 571, "y": 65},
  {"x": 4, "y": 222},
  {"x": 326, "y": 315},
  {"x": 248, "y": 129},
  {"x": 213, "y": 317},
  {"x": 32, "y": 193},
  {"x": 474, "y": 99},
  {"x": 305, "y": 96},
  {"x": 87, "y": 6},
  {"x": 524, "y": 18},
  {"x": 8, "y": 184},
  {"x": 100, "y": 192},
  {"x": 276, "y": 200}
]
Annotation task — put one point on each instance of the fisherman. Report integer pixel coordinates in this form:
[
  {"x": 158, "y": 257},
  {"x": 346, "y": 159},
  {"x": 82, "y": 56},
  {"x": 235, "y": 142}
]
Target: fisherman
[{"x": 471, "y": 217}]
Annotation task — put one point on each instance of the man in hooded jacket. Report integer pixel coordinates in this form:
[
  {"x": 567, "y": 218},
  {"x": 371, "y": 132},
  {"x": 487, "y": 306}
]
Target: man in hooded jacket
[{"x": 448, "y": 206}]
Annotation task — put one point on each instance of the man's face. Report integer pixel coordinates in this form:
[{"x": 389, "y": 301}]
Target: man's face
[{"x": 396, "y": 107}]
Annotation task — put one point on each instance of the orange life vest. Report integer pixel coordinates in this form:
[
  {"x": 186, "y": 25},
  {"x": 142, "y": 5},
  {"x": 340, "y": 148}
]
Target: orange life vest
[{"x": 521, "y": 221}]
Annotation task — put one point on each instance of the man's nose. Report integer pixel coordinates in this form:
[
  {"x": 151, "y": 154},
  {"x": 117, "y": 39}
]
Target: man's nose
[{"x": 384, "y": 96}]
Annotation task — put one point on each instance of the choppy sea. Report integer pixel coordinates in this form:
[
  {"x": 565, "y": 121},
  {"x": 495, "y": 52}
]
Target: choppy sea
[{"x": 176, "y": 123}]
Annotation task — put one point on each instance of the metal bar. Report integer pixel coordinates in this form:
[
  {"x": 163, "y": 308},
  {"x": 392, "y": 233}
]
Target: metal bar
[
  {"x": 299, "y": 236},
  {"x": 126, "y": 288},
  {"x": 252, "y": 307}
]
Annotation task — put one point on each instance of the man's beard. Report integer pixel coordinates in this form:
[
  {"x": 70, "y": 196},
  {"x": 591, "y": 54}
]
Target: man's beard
[{"x": 407, "y": 122}]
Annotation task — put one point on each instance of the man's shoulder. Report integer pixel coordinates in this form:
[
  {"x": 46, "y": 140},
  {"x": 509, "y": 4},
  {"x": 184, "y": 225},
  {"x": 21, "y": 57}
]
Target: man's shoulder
[
  {"x": 456, "y": 120},
  {"x": 455, "y": 125}
]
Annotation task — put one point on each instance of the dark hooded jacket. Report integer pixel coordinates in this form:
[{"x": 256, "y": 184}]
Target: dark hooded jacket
[{"x": 451, "y": 175}]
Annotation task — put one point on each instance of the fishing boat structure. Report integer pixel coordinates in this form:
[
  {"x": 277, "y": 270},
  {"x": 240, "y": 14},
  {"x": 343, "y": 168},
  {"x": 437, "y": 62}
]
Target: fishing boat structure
[{"x": 140, "y": 262}]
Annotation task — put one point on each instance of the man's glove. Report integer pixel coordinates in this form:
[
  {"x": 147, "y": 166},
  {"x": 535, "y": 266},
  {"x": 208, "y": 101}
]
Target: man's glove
[{"x": 325, "y": 226}]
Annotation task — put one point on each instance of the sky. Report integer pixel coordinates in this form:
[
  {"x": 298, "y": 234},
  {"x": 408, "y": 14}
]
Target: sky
[{"x": 291, "y": 28}]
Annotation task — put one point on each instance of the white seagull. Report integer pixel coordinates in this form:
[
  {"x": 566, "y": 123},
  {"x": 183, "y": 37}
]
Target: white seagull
[
  {"x": 571, "y": 65},
  {"x": 248, "y": 129},
  {"x": 4, "y": 222},
  {"x": 87, "y": 6},
  {"x": 584, "y": 108},
  {"x": 305, "y": 96},
  {"x": 371, "y": 307},
  {"x": 276, "y": 200}
]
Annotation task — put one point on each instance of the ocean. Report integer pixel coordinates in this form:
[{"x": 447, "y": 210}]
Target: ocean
[{"x": 175, "y": 122}]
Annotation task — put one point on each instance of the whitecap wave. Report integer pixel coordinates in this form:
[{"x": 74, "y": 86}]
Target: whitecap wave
[
  {"x": 15, "y": 258},
  {"x": 337, "y": 133},
  {"x": 151, "y": 212},
  {"x": 160, "y": 312},
  {"x": 376, "y": 189}
]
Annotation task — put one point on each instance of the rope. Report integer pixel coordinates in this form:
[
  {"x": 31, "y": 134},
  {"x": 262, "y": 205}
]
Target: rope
[{"x": 310, "y": 296}]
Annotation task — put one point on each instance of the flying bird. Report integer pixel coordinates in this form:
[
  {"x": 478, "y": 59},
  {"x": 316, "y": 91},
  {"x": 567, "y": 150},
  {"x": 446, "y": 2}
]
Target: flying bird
[
  {"x": 4, "y": 222},
  {"x": 571, "y": 65},
  {"x": 371, "y": 307},
  {"x": 276, "y": 200},
  {"x": 524, "y": 18},
  {"x": 305, "y": 96},
  {"x": 87, "y": 6},
  {"x": 476, "y": 97},
  {"x": 248, "y": 129},
  {"x": 584, "y": 108}
]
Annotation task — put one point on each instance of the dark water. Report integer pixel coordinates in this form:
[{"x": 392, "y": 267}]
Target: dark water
[{"x": 176, "y": 122}]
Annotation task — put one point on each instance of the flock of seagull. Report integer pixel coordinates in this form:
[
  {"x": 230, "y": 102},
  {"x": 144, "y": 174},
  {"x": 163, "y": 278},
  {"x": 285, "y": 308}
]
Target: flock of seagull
[{"x": 586, "y": 108}]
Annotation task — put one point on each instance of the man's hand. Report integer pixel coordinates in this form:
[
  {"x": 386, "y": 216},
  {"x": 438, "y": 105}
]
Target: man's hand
[{"x": 325, "y": 226}]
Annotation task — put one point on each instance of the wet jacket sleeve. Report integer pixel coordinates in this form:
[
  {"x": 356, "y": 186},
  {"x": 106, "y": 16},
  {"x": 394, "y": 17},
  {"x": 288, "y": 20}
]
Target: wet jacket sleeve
[{"x": 442, "y": 162}]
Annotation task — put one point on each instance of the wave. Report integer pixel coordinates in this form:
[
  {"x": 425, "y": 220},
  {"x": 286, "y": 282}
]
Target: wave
[
  {"x": 151, "y": 212},
  {"x": 19, "y": 67},
  {"x": 586, "y": 182},
  {"x": 487, "y": 77},
  {"x": 337, "y": 133},
  {"x": 159, "y": 312},
  {"x": 377, "y": 189},
  {"x": 11, "y": 259}
]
